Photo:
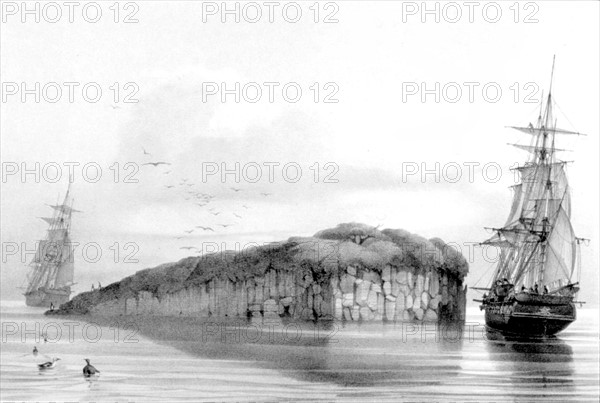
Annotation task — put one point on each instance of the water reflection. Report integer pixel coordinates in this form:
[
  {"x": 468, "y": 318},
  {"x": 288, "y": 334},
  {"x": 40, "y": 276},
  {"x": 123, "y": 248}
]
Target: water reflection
[
  {"x": 348, "y": 354},
  {"x": 514, "y": 348},
  {"x": 91, "y": 381},
  {"x": 534, "y": 362},
  {"x": 395, "y": 362}
]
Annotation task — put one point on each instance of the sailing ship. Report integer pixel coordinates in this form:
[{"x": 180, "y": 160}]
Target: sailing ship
[
  {"x": 536, "y": 279},
  {"x": 52, "y": 269}
]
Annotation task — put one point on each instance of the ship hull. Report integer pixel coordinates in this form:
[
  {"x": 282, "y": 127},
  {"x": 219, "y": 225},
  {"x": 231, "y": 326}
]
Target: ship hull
[
  {"x": 530, "y": 319},
  {"x": 47, "y": 298}
]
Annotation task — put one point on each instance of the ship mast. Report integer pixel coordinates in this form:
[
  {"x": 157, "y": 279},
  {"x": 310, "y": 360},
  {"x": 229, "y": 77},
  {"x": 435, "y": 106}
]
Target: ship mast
[
  {"x": 548, "y": 185},
  {"x": 52, "y": 265},
  {"x": 538, "y": 245}
]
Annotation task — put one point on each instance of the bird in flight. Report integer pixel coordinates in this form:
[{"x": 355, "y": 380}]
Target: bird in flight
[
  {"x": 169, "y": 186},
  {"x": 225, "y": 225},
  {"x": 266, "y": 194},
  {"x": 237, "y": 215},
  {"x": 145, "y": 152},
  {"x": 155, "y": 164},
  {"x": 188, "y": 247},
  {"x": 190, "y": 231},
  {"x": 115, "y": 107},
  {"x": 217, "y": 213},
  {"x": 205, "y": 228},
  {"x": 235, "y": 189},
  {"x": 178, "y": 237}
]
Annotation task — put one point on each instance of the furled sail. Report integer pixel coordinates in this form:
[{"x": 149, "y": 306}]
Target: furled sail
[
  {"x": 536, "y": 131},
  {"x": 533, "y": 149},
  {"x": 499, "y": 241},
  {"x": 64, "y": 208},
  {"x": 537, "y": 243}
]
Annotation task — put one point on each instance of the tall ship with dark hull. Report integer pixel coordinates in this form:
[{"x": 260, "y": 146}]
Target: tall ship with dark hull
[
  {"x": 535, "y": 282},
  {"x": 51, "y": 272}
]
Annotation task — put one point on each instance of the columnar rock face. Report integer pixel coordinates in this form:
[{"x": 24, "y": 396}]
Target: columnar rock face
[
  {"x": 344, "y": 288},
  {"x": 398, "y": 298},
  {"x": 343, "y": 297}
]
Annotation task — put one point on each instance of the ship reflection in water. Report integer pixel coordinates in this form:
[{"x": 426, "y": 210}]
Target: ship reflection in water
[
  {"x": 549, "y": 349},
  {"x": 193, "y": 359},
  {"x": 545, "y": 362}
]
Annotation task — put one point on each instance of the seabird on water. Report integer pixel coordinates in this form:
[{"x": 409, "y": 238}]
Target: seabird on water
[
  {"x": 89, "y": 369},
  {"x": 35, "y": 350},
  {"x": 49, "y": 364}
]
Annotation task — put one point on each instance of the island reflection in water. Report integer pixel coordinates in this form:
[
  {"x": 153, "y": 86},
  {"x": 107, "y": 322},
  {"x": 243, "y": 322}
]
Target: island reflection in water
[
  {"x": 402, "y": 355},
  {"x": 343, "y": 353},
  {"x": 186, "y": 358}
]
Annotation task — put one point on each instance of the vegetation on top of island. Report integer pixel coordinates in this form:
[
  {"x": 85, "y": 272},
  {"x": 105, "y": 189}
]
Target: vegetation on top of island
[{"x": 328, "y": 251}]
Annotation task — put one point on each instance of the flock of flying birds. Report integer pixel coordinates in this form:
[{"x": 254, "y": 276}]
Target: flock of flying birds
[{"x": 201, "y": 199}]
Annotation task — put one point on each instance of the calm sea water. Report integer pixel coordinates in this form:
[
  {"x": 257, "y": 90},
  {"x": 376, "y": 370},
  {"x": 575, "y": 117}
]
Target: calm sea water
[{"x": 182, "y": 359}]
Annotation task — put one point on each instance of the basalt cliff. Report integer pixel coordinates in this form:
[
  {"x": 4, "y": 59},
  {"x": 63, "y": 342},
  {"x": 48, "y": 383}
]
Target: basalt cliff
[{"x": 352, "y": 272}]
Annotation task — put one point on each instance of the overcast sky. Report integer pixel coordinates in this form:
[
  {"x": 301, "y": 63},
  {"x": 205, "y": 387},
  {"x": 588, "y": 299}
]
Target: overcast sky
[{"x": 379, "y": 127}]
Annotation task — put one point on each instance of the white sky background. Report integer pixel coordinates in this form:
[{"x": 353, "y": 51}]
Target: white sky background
[{"x": 368, "y": 134}]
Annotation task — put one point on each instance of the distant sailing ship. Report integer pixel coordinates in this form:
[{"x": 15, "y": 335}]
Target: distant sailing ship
[
  {"x": 52, "y": 268},
  {"x": 533, "y": 288}
]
